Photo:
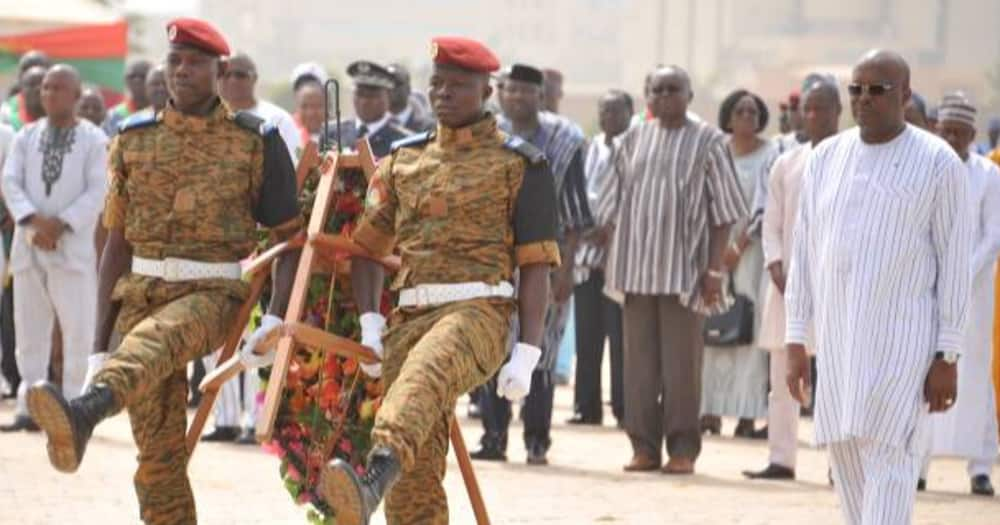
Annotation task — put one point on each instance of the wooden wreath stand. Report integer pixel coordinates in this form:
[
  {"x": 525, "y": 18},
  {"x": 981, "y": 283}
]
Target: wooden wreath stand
[{"x": 319, "y": 250}]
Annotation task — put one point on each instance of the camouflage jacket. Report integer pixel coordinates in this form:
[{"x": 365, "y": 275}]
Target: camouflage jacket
[
  {"x": 466, "y": 204},
  {"x": 196, "y": 188}
]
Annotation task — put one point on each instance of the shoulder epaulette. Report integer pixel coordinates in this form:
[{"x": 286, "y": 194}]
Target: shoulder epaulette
[
  {"x": 524, "y": 149},
  {"x": 413, "y": 140},
  {"x": 139, "y": 120},
  {"x": 251, "y": 122}
]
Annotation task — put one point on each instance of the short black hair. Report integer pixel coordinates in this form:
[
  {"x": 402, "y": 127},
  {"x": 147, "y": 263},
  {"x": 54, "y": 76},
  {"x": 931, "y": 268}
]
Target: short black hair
[
  {"x": 920, "y": 103},
  {"x": 622, "y": 95},
  {"x": 726, "y": 110}
]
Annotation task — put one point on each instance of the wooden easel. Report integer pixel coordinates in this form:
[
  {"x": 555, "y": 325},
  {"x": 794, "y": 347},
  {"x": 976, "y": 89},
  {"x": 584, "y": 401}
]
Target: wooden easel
[{"x": 319, "y": 250}]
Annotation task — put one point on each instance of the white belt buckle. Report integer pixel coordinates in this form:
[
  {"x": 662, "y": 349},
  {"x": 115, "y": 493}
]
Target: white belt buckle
[{"x": 171, "y": 270}]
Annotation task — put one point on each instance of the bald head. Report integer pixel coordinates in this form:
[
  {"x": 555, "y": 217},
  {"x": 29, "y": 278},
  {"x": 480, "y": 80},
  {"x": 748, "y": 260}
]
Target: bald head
[
  {"x": 890, "y": 62},
  {"x": 243, "y": 61},
  {"x": 65, "y": 72},
  {"x": 880, "y": 89},
  {"x": 60, "y": 93},
  {"x": 238, "y": 82}
]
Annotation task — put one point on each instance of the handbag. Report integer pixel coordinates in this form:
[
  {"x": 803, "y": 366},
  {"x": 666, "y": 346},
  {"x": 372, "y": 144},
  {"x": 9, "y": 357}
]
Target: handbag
[{"x": 734, "y": 327}]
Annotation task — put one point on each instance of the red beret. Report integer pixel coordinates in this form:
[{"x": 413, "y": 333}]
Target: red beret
[
  {"x": 197, "y": 33},
  {"x": 464, "y": 53}
]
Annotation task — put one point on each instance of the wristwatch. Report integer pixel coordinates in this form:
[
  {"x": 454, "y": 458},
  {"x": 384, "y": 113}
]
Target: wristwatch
[
  {"x": 715, "y": 274},
  {"x": 948, "y": 357}
]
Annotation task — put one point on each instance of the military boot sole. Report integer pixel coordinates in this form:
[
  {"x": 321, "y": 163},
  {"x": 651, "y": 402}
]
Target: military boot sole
[
  {"x": 340, "y": 488},
  {"x": 52, "y": 414}
]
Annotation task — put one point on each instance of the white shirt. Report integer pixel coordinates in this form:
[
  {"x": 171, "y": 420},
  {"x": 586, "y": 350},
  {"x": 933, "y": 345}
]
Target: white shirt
[
  {"x": 403, "y": 117},
  {"x": 76, "y": 196},
  {"x": 880, "y": 264},
  {"x": 282, "y": 120},
  {"x": 373, "y": 127}
]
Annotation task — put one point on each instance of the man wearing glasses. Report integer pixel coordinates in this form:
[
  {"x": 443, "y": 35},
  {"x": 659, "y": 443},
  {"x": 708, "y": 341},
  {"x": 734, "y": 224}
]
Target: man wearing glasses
[
  {"x": 668, "y": 204},
  {"x": 880, "y": 265}
]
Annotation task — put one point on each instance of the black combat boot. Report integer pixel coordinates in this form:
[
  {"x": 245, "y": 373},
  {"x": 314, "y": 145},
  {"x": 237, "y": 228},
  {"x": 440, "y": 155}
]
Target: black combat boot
[
  {"x": 354, "y": 498},
  {"x": 68, "y": 424}
]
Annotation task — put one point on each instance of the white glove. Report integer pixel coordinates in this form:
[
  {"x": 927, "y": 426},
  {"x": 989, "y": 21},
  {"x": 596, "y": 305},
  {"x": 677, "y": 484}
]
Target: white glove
[
  {"x": 372, "y": 326},
  {"x": 253, "y": 357},
  {"x": 514, "y": 381},
  {"x": 94, "y": 364}
]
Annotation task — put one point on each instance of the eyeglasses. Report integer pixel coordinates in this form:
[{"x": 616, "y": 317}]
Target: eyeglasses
[
  {"x": 668, "y": 89},
  {"x": 875, "y": 90}
]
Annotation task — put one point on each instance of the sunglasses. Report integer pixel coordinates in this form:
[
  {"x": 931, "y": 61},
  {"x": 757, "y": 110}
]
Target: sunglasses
[
  {"x": 668, "y": 89},
  {"x": 876, "y": 90},
  {"x": 240, "y": 75}
]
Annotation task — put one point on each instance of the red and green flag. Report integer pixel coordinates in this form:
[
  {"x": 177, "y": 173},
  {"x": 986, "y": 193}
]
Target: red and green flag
[{"x": 97, "y": 50}]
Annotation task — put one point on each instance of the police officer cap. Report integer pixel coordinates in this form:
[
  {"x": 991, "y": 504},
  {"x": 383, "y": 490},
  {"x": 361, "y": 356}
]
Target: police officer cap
[
  {"x": 199, "y": 34},
  {"x": 526, "y": 73},
  {"x": 370, "y": 74}
]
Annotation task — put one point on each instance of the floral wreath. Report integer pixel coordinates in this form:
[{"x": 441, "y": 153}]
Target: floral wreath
[{"x": 328, "y": 406}]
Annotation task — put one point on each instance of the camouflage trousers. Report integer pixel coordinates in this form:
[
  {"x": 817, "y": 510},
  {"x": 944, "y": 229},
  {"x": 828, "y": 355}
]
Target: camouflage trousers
[
  {"x": 165, "y": 327},
  {"x": 431, "y": 358}
]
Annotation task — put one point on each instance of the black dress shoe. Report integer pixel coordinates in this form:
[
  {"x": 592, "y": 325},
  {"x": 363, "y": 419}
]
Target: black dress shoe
[
  {"x": 489, "y": 452},
  {"x": 771, "y": 472},
  {"x": 221, "y": 434},
  {"x": 981, "y": 486},
  {"x": 580, "y": 419},
  {"x": 247, "y": 437},
  {"x": 356, "y": 497},
  {"x": 921, "y": 485},
  {"x": 69, "y": 424},
  {"x": 536, "y": 455},
  {"x": 20, "y": 423}
]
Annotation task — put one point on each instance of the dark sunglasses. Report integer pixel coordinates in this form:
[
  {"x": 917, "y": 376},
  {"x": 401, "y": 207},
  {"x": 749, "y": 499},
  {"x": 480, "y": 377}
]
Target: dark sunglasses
[
  {"x": 875, "y": 90},
  {"x": 241, "y": 75},
  {"x": 668, "y": 89}
]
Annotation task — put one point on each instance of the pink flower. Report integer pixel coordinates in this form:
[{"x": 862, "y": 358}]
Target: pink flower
[
  {"x": 360, "y": 469},
  {"x": 346, "y": 446},
  {"x": 293, "y": 474},
  {"x": 296, "y": 448},
  {"x": 304, "y": 498},
  {"x": 274, "y": 449}
]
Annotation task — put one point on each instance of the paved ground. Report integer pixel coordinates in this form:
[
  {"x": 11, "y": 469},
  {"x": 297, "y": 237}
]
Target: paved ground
[{"x": 584, "y": 485}]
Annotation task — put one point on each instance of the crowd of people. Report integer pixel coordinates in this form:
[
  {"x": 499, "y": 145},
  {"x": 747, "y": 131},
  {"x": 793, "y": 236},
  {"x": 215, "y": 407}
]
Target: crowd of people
[{"x": 726, "y": 272}]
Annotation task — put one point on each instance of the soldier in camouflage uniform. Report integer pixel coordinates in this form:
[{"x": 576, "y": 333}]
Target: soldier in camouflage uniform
[
  {"x": 466, "y": 205},
  {"x": 188, "y": 187}
]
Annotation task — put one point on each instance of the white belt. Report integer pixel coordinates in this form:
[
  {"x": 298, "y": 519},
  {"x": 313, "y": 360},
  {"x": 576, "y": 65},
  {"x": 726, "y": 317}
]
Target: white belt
[
  {"x": 435, "y": 294},
  {"x": 171, "y": 269}
]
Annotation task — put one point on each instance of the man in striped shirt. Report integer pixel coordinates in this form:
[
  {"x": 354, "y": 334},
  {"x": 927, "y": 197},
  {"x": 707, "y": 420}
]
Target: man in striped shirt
[
  {"x": 880, "y": 265},
  {"x": 670, "y": 200},
  {"x": 521, "y": 98},
  {"x": 597, "y": 316}
]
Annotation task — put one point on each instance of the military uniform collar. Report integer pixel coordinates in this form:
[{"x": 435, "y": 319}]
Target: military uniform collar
[
  {"x": 177, "y": 120},
  {"x": 484, "y": 130}
]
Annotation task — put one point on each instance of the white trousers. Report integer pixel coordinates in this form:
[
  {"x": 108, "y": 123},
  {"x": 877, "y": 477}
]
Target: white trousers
[
  {"x": 42, "y": 294},
  {"x": 876, "y": 483},
  {"x": 229, "y": 405},
  {"x": 782, "y": 414}
]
